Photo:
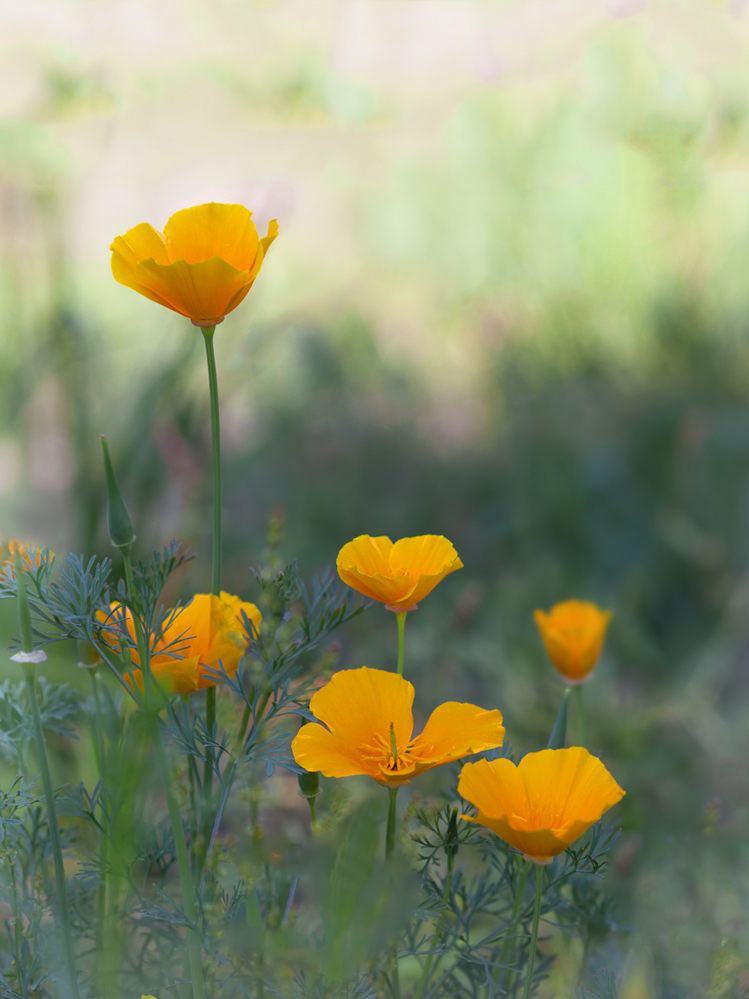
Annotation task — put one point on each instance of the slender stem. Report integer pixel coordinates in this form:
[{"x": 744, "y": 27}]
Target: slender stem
[
  {"x": 210, "y": 694},
  {"x": 24, "y": 620},
  {"x": 534, "y": 933},
  {"x": 208, "y": 332},
  {"x": 582, "y": 725},
  {"x": 101, "y": 903},
  {"x": 401, "y": 615},
  {"x": 183, "y": 864},
  {"x": 175, "y": 818},
  {"x": 313, "y": 814},
  {"x": 54, "y": 831},
  {"x": 390, "y": 832},
  {"x": 504, "y": 953}
]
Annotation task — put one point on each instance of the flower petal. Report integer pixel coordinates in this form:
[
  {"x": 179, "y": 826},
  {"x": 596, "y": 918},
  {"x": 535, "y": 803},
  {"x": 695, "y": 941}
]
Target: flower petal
[
  {"x": 455, "y": 730},
  {"x": 575, "y": 786},
  {"x": 495, "y": 788},
  {"x": 359, "y": 705},
  {"x": 429, "y": 555},
  {"x": 238, "y": 606},
  {"x": 315, "y": 748},
  {"x": 212, "y": 230},
  {"x": 201, "y": 291}
]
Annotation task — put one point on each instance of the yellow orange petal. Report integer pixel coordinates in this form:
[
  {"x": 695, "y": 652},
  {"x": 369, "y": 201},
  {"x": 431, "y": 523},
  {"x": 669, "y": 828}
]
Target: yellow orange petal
[
  {"x": 574, "y": 784},
  {"x": 201, "y": 291},
  {"x": 455, "y": 730},
  {"x": 573, "y": 634},
  {"x": 430, "y": 554},
  {"x": 359, "y": 705},
  {"x": 315, "y": 748},
  {"x": 212, "y": 230}
]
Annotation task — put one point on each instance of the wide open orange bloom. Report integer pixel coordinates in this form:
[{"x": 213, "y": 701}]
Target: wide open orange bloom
[
  {"x": 542, "y": 805},
  {"x": 370, "y": 729},
  {"x": 203, "y": 264},
  {"x": 573, "y": 633},
  {"x": 401, "y": 574},
  {"x": 205, "y": 632}
]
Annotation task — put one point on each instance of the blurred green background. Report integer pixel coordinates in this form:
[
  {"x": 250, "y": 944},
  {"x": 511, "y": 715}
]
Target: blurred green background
[{"x": 508, "y": 304}]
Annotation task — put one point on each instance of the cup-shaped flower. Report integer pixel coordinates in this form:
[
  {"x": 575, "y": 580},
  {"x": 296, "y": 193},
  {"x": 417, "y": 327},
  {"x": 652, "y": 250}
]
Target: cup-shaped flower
[
  {"x": 542, "y": 805},
  {"x": 401, "y": 574},
  {"x": 368, "y": 729},
  {"x": 573, "y": 633},
  {"x": 201, "y": 266},
  {"x": 203, "y": 635}
]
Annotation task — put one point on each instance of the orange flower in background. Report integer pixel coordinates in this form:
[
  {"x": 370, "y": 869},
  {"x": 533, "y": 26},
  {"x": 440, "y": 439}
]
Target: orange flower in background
[
  {"x": 197, "y": 637},
  {"x": 203, "y": 264},
  {"x": 370, "y": 729},
  {"x": 542, "y": 805},
  {"x": 14, "y": 546},
  {"x": 401, "y": 574},
  {"x": 573, "y": 633}
]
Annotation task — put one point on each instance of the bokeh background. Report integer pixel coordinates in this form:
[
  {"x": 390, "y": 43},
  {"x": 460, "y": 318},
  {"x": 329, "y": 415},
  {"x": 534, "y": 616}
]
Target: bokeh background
[{"x": 508, "y": 304}]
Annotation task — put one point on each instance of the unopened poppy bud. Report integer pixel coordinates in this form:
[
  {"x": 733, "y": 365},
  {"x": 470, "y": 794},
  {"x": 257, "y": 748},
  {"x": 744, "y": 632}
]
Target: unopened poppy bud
[
  {"x": 118, "y": 519},
  {"x": 452, "y": 842},
  {"x": 309, "y": 784}
]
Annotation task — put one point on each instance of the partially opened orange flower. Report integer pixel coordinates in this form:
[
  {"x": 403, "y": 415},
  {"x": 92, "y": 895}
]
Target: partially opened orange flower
[
  {"x": 573, "y": 633},
  {"x": 203, "y": 264},
  {"x": 542, "y": 805},
  {"x": 400, "y": 574},
  {"x": 370, "y": 729},
  {"x": 201, "y": 635}
]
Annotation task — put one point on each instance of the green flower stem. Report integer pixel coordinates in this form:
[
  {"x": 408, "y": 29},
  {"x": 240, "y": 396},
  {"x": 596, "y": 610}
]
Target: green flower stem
[
  {"x": 505, "y": 952},
  {"x": 582, "y": 725},
  {"x": 210, "y": 694},
  {"x": 534, "y": 932},
  {"x": 390, "y": 832},
  {"x": 401, "y": 615},
  {"x": 175, "y": 817},
  {"x": 210, "y": 356},
  {"x": 29, "y": 669}
]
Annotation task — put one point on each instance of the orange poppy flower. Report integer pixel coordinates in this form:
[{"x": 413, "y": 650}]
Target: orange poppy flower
[
  {"x": 203, "y": 264},
  {"x": 26, "y": 557},
  {"x": 542, "y": 805},
  {"x": 205, "y": 632},
  {"x": 401, "y": 574},
  {"x": 370, "y": 729},
  {"x": 250, "y": 610},
  {"x": 573, "y": 633}
]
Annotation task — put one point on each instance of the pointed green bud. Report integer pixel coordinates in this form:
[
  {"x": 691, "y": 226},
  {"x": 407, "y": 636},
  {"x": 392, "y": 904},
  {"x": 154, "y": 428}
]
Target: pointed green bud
[
  {"x": 452, "y": 840},
  {"x": 120, "y": 525},
  {"x": 558, "y": 737}
]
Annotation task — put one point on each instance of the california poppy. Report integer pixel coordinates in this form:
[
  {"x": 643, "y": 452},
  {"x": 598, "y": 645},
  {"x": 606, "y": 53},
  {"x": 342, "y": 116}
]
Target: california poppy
[
  {"x": 542, "y": 805},
  {"x": 573, "y": 633},
  {"x": 201, "y": 266},
  {"x": 401, "y": 574},
  {"x": 196, "y": 638},
  {"x": 368, "y": 729}
]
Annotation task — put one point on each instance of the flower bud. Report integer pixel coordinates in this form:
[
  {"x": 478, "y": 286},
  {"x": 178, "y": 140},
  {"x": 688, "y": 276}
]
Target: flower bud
[{"x": 118, "y": 519}]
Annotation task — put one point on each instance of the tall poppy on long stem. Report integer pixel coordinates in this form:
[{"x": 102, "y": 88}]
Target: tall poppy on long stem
[{"x": 397, "y": 574}]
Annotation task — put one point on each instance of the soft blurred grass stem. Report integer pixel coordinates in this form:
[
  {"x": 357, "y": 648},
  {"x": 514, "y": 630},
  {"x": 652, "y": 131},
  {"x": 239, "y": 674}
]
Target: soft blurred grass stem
[
  {"x": 534, "y": 932},
  {"x": 29, "y": 669},
  {"x": 582, "y": 724}
]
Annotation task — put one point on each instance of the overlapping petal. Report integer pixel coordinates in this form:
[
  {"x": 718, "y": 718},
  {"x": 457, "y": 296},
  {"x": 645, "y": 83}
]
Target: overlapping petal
[
  {"x": 368, "y": 726},
  {"x": 202, "y": 266},
  {"x": 206, "y": 634},
  {"x": 545, "y": 803},
  {"x": 573, "y": 633},
  {"x": 398, "y": 574}
]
